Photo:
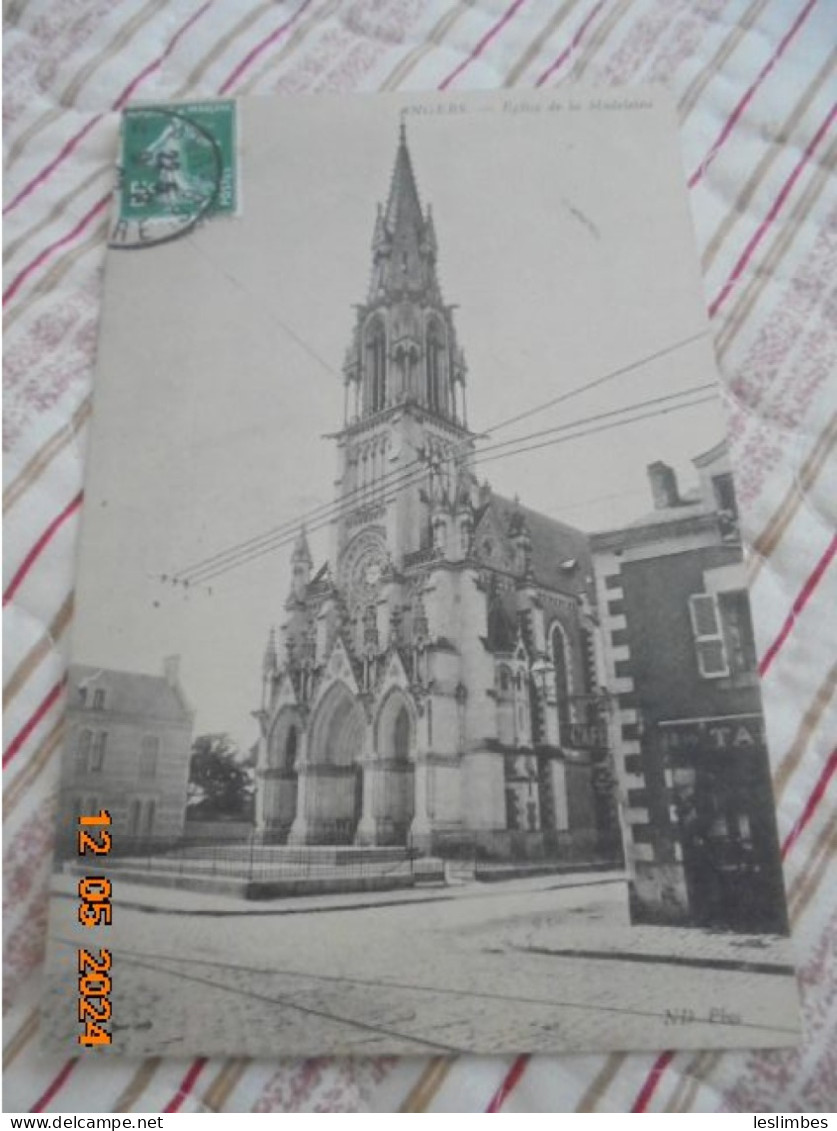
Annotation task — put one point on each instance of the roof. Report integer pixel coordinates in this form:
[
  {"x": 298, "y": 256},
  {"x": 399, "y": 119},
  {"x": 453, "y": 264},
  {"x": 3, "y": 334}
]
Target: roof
[
  {"x": 561, "y": 557},
  {"x": 689, "y": 508},
  {"x": 129, "y": 693},
  {"x": 715, "y": 454}
]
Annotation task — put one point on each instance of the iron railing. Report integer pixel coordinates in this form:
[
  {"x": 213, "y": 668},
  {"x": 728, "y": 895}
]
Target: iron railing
[{"x": 253, "y": 862}]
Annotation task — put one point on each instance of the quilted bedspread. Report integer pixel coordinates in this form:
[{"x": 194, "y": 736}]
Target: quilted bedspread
[{"x": 755, "y": 84}]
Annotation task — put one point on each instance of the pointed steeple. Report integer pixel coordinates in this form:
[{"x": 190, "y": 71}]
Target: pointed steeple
[
  {"x": 270, "y": 663},
  {"x": 302, "y": 552},
  {"x": 403, "y": 206},
  {"x": 270, "y": 669},
  {"x": 301, "y": 565},
  {"x": 404, "y": 242}
]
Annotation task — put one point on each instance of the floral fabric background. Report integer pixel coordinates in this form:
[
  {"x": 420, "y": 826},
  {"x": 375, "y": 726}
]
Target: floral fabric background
[{"x": 755, "y": 85}]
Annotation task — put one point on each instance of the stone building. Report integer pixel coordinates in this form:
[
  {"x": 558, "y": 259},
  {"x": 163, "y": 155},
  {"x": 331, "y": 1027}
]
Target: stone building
[
  {"x": 434, "y": 682},
  {"x": 687, "y": 728},
  {"x": 127, "y": 750}
]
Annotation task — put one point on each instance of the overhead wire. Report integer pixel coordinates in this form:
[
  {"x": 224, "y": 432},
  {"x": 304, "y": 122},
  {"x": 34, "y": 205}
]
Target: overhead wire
[
  {"x": 490, "y": 453},
  {"x": 355, "y": 496}
]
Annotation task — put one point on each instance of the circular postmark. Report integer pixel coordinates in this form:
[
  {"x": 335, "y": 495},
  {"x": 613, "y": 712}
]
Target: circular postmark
[{"x": 176, "y": 169}]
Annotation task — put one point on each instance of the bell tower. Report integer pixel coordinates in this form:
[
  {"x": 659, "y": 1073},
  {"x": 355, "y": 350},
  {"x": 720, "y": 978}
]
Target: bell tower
[{"x": 405, "y": 437}]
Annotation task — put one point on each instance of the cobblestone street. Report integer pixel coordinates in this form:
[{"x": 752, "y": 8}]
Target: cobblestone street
[{"x": 526, "y": 964}]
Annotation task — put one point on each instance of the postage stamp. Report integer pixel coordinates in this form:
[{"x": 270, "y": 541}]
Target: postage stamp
[{"x": 178, "y": 166}]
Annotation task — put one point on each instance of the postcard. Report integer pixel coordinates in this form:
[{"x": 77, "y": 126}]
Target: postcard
[{"x": 413, "y": 702}]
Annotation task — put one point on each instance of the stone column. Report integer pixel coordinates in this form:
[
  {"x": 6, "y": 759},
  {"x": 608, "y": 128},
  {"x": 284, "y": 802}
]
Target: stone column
[
  {"x": 261, "y": 789},
  {"x": 558, "y": 774},
  {"x": 420, "y": 827},
  {"x": 550, "y": 709},
  {"x": 366, "y": 832},
  {"x": 300, "y": 827}
]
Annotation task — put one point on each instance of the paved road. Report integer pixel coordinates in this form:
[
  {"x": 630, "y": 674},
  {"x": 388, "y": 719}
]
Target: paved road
[{"x": 491, "y": 968}]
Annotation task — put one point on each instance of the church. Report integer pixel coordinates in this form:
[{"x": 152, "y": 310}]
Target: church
[{"x": 434, "y": 683}]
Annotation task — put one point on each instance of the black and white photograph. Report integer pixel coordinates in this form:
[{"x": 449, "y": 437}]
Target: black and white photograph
[{"x": 413, "y": 704}]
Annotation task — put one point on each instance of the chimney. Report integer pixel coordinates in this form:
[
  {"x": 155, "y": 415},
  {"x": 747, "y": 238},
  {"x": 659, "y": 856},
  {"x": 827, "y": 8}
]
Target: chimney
[
  {"x": 171, "y": 670},
  {"x": 663, "y": 485}
]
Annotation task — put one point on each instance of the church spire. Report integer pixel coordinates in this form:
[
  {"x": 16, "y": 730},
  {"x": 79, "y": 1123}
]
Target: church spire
[
  {"x": 270, "y": 662},
  {"x": 403, "y": 349},
  {"x": 301, "y": 564},
  {"x": 404, "y": 242},
  {"x": 301, "y": 551},
  {"x": 404, "y": 385}
]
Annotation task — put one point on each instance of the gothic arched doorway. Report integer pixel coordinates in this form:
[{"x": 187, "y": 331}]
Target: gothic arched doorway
[
  {"x": 394, "y": 803},
  {"x": 281, "y": 777},
  {"x": 333, "y": 794}
]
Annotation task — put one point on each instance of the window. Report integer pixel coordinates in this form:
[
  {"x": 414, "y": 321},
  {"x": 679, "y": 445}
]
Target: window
[
  {"x": 99, "y": 699},
  {"x": 724, "y": 490},
  {"x": 723, "y": 632},
  {"x": 97, "y": 757},
  {"x": 85, "y": 739},
  {"x": 560, "y": 662},
  {"x": 82, "y": 696},
  {"x": 738, "y": 631},
  {"x": 376, "y": 366},
  {"x": 436, "y": 368},
  {"x": 148, "y": 756},
  {"x": 708, "y": 633}
]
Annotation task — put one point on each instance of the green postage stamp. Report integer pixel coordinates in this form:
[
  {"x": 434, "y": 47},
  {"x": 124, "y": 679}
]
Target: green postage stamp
[{"x": 178, "y": 167}]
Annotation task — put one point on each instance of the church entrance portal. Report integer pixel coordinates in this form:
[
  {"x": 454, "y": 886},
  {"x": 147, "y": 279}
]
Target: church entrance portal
[
  {"x": 394, "y": 801},
  {"x": 334, "y": 787}
]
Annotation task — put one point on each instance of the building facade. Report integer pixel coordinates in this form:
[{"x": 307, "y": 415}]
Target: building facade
[
  {"x": 434, "y": 683},
  {"x": 127, "y": 750},
  {"x": 687, "y": 727}
]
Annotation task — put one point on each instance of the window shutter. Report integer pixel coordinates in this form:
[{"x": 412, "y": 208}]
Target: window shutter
[
  {"x": 709, "y": 639},
  {"x": 704, "y": 613}
]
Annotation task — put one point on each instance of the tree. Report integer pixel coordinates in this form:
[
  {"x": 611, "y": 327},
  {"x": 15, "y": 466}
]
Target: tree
[{"x": 221, "y": 780}]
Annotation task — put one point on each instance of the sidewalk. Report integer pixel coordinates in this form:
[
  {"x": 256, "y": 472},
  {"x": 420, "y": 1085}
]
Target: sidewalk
[
  {"x": 679, "y": 946},
  {"x": 569, "y": 929},
  {"x": 175, "y": 901}
]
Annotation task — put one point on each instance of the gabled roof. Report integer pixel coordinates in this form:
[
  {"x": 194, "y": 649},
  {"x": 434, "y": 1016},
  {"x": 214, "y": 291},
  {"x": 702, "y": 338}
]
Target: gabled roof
[
  {"x": 127, "y": 693},
  {"x": 560, "y": 553}
]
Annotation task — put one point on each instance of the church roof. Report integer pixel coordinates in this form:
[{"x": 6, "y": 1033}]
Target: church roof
[{"x": 560, "y": 553}]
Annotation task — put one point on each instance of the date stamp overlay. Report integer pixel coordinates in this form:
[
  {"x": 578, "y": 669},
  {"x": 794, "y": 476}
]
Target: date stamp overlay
[
  {"x": 178, "y": 167},
  {"x": 94, "y": 910}
]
